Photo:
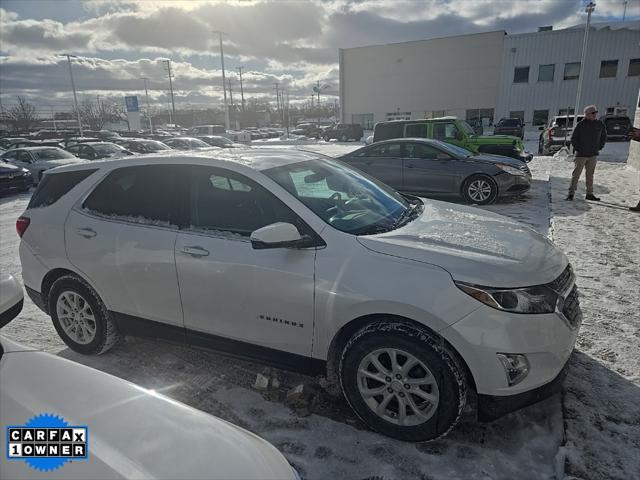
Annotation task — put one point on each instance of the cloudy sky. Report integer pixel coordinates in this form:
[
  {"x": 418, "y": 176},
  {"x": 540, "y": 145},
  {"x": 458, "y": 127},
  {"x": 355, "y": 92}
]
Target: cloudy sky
[{"x": 292, "y": 42}]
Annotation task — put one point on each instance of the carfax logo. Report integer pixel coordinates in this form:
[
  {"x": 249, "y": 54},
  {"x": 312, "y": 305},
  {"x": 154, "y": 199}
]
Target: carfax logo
[{"x": 47, "y": 442}]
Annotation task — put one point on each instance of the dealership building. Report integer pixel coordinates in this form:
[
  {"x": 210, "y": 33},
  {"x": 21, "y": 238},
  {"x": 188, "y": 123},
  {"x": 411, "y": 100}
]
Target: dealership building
[{"x": 492, "y": 75}]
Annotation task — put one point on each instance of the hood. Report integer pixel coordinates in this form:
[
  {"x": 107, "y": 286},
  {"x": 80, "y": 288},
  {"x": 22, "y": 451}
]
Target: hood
[
  {"x": 6, "y": 167},
  {"x": 63, "y": 161},
  {"x": 474, "y": 246},
  {"x": 133, "y": 432},
  {"x": 488, "y": 158}
]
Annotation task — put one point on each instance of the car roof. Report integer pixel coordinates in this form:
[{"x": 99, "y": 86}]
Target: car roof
[
  {"x": 40, "y": 147},
  {"x": 253, "y": 159}
]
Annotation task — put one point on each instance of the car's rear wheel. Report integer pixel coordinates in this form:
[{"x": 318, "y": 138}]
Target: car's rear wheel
[
  {"x": 326, "y": 138},
  {"x": 402, "y": 382},
  {"x": 80, "y": 317},
  {"x": 480, "y": 189}
]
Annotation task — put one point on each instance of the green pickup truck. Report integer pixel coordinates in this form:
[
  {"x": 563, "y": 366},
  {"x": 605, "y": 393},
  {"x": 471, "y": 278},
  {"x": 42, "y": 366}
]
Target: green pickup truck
[{"x": 455, "y": 131}]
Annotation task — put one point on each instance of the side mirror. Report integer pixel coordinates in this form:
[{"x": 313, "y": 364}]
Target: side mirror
[
  {"x": 279, "y": 235},
  {"x": 541, "y": 128}
]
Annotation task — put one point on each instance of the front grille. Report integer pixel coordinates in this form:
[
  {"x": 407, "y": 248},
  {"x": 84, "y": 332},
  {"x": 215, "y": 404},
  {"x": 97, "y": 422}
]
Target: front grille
[
  {"x": 561, "y": 283},
  {"x": 571, "y": 309}
]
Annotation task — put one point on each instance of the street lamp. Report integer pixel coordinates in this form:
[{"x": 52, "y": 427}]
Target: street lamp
[
  {"x": 73, "y": 86},
  {"x": 224, "y": 82},
  {"x": 589, "y": 9},
  {"x": 146, "y": 92}
]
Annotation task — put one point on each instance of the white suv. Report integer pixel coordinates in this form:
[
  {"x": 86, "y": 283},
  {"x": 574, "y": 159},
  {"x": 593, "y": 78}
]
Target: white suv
[{"x": 301, "y": 262}]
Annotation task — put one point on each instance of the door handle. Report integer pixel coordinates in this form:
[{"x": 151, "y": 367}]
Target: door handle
[
  {"x": 86, "y": 232},
  {"x": 195, "y": 251}
]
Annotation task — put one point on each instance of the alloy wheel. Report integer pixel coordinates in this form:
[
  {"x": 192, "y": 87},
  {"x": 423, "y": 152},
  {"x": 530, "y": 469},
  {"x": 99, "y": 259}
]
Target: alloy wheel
[
  {"x": 76, "y": 317},
  {"x": 479, "y": 190}
]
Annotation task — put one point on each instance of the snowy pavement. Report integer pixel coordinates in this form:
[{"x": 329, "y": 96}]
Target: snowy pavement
[{"x": 595, "y": 425}]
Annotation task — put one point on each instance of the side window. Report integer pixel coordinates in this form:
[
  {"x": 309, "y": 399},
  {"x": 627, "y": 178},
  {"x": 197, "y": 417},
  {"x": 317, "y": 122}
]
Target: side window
[
  {"x": 74, "y": 149},
  {"x": 55, "y": 185},
  {"x": 418, "y": 150},
  {"x": 221, "y": 200},
  {"x": 386, "y": 131},
  {"x": 416, "y": 130},
  {"x": 10, "y": 155},
  {"x": 385, "y": 150},
  {"x": 23, "y": 156},
  {"x": 444, "y": 131},
  {"x": 137, "y": 194},
  {"x": 86, "y": 152}
]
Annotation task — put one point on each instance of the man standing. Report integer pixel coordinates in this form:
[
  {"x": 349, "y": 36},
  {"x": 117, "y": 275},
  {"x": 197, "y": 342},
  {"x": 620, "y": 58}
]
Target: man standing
[{"x": 589, "y": 136}]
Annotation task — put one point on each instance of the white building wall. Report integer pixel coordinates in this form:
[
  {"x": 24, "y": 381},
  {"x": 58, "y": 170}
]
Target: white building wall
[
  {"x": 450, "y": 74},
  {"x": 565, "y": 46}
]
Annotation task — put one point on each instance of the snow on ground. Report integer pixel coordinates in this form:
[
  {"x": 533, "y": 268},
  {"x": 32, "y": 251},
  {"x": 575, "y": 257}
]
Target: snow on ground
[{"x": 600, "y": 434}]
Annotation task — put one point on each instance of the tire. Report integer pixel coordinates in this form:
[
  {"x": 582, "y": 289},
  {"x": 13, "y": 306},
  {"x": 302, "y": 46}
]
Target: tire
[
  {"x": 480, "y": 190},
  {"x": 344, "y": 138},
  {"x": 540, "y": 146},
  {"x": 97, "y": 329},
  {"x": 444, "y": 382},
  {"x": 326, "y": 138}
]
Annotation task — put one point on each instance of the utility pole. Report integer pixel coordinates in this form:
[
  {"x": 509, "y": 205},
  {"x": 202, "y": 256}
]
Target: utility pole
[
  {"x": 589, "y": 9},
  {"x": 624, "y": 12},
  {"x": 277, "y": 86},
  {"x": 318, "y": 86},
  {"x": 241, "y": 90},
  {"x": 146, "y": 92},
  {"x": 173, "y": 104},
  {"x": 224, "y": 88},
  {"x": 230, "y": 93},
  {"x": 75, "y": 97}
]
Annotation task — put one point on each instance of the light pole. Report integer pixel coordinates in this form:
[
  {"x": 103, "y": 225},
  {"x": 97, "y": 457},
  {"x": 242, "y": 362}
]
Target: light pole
[
  {"x": 173, "y": 104},
  {"x": 146, "y": 92},
  {"x": 75, "y": 97},
  {"x": 589, "y": 9},
  {"x": 224, "y": 82}
]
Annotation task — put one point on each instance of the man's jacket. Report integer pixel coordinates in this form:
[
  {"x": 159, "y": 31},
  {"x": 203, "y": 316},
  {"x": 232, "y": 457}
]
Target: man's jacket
[{"x": 588, "y": 138}]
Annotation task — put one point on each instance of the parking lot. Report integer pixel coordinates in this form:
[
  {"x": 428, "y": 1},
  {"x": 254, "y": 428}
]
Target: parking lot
[{"x": 593, "y": 426}]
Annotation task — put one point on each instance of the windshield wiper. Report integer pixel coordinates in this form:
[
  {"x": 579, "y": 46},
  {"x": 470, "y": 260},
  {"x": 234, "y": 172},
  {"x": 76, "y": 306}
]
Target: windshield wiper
[{"x": 406, "y": 216}]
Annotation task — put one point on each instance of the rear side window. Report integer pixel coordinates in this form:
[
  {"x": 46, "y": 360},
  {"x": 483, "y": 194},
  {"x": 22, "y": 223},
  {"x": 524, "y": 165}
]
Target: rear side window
[
  {"x": 416, "y": 130},
  {"x": 141, "y": 194},
  {"x": 386, "y": 131},
  {"x": 55, "y": 185}
]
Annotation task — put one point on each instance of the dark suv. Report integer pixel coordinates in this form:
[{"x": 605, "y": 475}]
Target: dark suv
[
  {"x": 343, "y": 132},
  {"x": 618, "y": 127},
  {"x": 509, "y": 126}
]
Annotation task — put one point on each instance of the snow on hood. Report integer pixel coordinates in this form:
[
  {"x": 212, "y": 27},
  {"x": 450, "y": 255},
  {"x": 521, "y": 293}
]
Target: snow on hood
[{"x": 474, "y": 246}]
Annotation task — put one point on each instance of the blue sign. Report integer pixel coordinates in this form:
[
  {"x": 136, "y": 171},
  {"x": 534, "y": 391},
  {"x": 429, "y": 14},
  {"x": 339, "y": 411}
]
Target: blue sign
[
  {"x": 132, "y": 103},
  {"x": 47, "y": 442}
]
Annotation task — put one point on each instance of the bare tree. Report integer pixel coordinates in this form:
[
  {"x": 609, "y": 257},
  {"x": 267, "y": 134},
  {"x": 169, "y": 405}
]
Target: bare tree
[
  {"x": 96, "y": 115},
  {"x": 22, "y": 115}
]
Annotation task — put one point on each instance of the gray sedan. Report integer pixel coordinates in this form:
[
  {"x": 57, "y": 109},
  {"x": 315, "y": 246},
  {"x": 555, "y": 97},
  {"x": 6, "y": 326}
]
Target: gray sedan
[
  {"x": 39, "y": 159},
  {"x": 432, "y": 168}
]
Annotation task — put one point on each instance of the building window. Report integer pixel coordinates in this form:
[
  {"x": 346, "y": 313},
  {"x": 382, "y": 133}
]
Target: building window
[
  {"x": 608, "y": 68},
  {"x": 399, "y": 116},
  {"x": 540, "y": 117},
  {"x": 480, "y": 116},
  {"x": 634, "y": 67},
  {"x": 571, "y": 70},
  {"x": 521, "y": 75},
  {"x": 517, "y": 114},
  {"x": 365, "y": 120},
  {"x": 546, "y": 72}
]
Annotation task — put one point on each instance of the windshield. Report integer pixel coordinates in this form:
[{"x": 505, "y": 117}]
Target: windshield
[
  {"x": 467, "y": 128},
  {"x": 154, "y": 146},
  {"x": 509, "y": 122},
  {"x": 195, "y": 143},
  {"x": 107, "y": 148},
  {"x": 346, "y": 199},
  {"x": 51, "y": 154}
]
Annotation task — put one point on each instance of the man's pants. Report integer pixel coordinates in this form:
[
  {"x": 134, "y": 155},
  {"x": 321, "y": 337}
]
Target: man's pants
[{"x": 580, "y": 163}]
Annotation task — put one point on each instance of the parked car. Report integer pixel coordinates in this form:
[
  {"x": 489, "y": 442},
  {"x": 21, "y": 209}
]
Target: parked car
[
  {"x": 98, "y": 150},
  {"x": 132, "y": 432},
  {"x": 34, "y": 143},
  {"x": 556, "y": 134},
  {"x": 14, "y": 178},
  {"x": 241, "y": 136},
  {"x": 38, "y": 159},
  {"x": 311, "y": 130},
  {"x": 343, "y": 132},
  {"x": 207, "y": 130},
  {"x": 67, "y": 142},
  {"x": 618, "y": 127},
  {"x": 5, "y": 142},
  {"x": 186, "y": 143},
  {"x": 217, "y": 141},
  {"x": 300, "y": 261},
  {"x": 143, "y": 145},
  {"x": 455, "y": 131},
  {"x": 509, "y": 126},
  {"x": 432, "y": 168}
]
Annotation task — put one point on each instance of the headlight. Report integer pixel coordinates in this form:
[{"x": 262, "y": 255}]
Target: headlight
[
  {"x": 511, "y": 170},
  {"x": 539, "y": 299}
]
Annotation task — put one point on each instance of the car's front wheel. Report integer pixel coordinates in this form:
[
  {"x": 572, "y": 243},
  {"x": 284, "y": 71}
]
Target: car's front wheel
[
  {"x": 480, "y": 189},
  {"x": 402, "y": 382},
  {"x": 80, "y": 317}
]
